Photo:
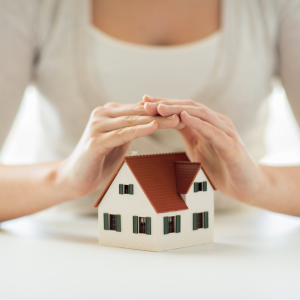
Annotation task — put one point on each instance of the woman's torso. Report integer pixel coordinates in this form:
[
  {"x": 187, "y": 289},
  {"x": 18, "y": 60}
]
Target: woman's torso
[{"x": 238, "y": 85}]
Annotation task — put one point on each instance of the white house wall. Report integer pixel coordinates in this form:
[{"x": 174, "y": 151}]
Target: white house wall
[
  {"x": 196, "y": 202},
  {"x": 127, "y": 206}
]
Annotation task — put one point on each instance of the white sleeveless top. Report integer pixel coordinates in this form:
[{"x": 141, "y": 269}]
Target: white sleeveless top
[{"x": 126, "y": 71}]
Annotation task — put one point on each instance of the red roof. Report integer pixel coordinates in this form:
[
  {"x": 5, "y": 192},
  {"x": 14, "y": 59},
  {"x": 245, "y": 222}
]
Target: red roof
[
  {"x": 162, "y": 177},
  {"x": 185, "y": 173}
]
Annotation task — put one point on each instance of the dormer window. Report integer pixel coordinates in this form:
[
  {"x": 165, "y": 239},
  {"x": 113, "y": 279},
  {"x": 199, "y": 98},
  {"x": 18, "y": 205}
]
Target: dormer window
[
  {"x": 200, "y": 186},
  {"x": 126, "y": 189}
]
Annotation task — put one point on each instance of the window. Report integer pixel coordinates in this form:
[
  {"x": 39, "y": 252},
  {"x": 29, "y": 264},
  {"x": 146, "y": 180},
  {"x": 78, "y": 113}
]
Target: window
[
  {"x": 112, "y": 222},
  {"x": 170, "y": 225},
  {"x": 200, "y": 186},
  {"x": 126, "y": 189},
  {"x": 142, "y": 225},
  {"x": 200, "y": 220}
]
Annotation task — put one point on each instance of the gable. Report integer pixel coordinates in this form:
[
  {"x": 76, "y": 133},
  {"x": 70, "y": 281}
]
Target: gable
[
  {"x": 201, "y": 177},
  {"x": 133, "y": 204},
  {"x": 109, "y": 183}
]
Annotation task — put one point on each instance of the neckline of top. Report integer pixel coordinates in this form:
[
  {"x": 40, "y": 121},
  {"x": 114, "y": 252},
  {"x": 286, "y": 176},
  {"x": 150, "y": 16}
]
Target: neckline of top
[
  {"x": 220, "y": 77},
  {"x": 154, "y": 48}
]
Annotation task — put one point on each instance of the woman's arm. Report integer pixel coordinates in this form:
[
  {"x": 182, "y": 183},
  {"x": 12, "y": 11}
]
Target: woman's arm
[
  {"x": 211, "y": 139},
  {"x": 28, "y": 189},
  {"x": 17, "y": 54}
]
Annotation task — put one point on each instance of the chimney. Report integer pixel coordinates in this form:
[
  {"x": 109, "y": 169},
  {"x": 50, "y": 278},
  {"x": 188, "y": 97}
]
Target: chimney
[{"x": 133, "y": 153}]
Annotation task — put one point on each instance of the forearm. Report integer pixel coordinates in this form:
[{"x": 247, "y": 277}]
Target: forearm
[
  {"x": 280, "y": 190},
  {"x": 28, "y": 189}
]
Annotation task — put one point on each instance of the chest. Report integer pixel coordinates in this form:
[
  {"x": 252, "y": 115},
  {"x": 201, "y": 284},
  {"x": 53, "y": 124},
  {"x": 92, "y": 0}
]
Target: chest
[{"x": 157, "y": 22}]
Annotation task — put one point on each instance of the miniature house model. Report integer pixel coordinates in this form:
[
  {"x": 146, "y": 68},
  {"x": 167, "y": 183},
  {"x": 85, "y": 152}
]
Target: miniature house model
[{"x": 157, "y": 202}]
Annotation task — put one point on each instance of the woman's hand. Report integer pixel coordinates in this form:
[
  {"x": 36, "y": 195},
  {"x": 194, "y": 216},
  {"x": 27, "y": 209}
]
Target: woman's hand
[
  {"x": 105, "y": 140},
  {"x": 211, "y": 139}
]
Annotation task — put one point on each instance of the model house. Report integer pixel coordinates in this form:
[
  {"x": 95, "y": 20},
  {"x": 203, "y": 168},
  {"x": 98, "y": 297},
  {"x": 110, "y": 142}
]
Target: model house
[{"x": 157, "y": 202}]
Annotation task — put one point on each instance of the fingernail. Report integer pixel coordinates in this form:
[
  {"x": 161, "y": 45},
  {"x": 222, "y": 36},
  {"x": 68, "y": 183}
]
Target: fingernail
[
  {"x": 151, "y": 104},
  {"x": 165, "y": 105},
  {"x": 171, "y": 117},
  {"x": 151, "y": 123}
]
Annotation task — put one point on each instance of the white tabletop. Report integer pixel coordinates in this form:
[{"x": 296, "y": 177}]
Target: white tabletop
[{"x": 256, "y": 254}]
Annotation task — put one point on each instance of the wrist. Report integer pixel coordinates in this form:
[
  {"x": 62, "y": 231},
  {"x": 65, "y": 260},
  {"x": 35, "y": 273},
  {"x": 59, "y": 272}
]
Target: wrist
[
  {"x": 61, "y": 182},
  {"x": 264, "y": 183}
]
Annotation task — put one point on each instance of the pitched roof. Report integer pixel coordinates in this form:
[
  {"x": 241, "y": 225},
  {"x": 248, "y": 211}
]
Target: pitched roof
[
  {"x": 156, "y": 176},
  {"x": 159, "y": 176},
  {"x": 185, "y": 173}
]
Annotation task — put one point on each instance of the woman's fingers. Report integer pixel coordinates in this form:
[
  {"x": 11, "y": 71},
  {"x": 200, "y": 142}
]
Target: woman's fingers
[
  {"x": 147, "y": 98},
  {"x": 216, "y": 136},
  {"x": 201, "y": 112},
  {"x": 165, "y": 107},
  {"x": 169, "y": 101},
  {"x": 126, "y": 110},
  {"x": 121, "y": 136},
  {"x": 115, "y": 104},
  {"x": 151, "y": 106},
  {"x": 110, "y": 124}
]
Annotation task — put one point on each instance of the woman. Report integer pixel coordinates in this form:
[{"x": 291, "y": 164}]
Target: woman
[{"x": 83, "y": 54}]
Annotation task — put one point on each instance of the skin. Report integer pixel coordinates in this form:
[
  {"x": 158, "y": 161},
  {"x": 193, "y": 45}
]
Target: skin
[
  {"x": 157, "y": 22},
  {"x": 211, "y": 138},
  {"x": 103, "y": 144}
]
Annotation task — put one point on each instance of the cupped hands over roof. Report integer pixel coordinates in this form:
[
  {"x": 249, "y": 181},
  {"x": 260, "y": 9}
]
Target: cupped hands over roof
[{"x": 162, "y": 177}]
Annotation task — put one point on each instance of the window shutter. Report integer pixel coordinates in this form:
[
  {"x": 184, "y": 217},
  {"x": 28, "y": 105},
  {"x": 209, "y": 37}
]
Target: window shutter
[
  {"x": 121, "y": 189},
  {"x": 166, "y": 225},
  {"x": 195, "y": 187},
  {"x": 130, "y": 189},
  {"x": 206, "y": 219},
  {"x": 135, "y": 224},
  {"x": 195, "y": 221},
  {"x": 105, "y": 219},
  {"x": 204, "y": 186},
  {"x": 148, "y": 225},
  {"x": 118, "y": 223},
  {"x": 178, "y": 223}
]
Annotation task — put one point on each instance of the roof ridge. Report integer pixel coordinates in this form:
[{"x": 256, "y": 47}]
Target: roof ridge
[{"x": 157, "y": 154}]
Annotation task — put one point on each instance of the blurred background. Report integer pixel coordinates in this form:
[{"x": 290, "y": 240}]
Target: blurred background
[{"x": 282, "y": 135}]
